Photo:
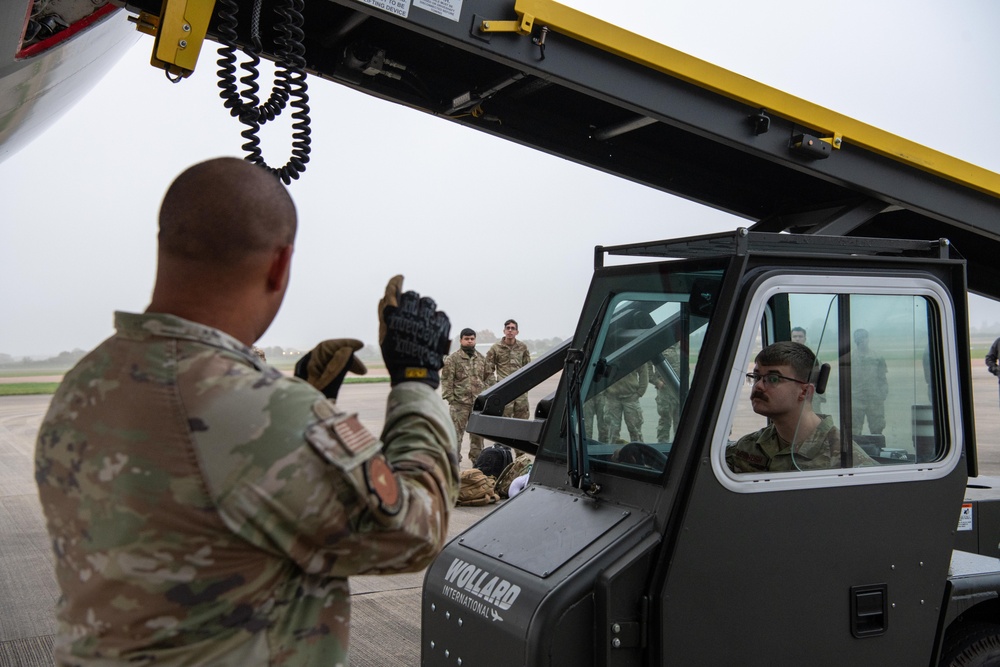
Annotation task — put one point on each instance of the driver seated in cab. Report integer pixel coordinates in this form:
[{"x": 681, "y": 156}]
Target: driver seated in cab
[{"x": 782, "y": 389}]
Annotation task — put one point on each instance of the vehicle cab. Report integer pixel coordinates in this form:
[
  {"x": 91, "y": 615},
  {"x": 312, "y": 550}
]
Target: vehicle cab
[{"x": 639, "y": 544}]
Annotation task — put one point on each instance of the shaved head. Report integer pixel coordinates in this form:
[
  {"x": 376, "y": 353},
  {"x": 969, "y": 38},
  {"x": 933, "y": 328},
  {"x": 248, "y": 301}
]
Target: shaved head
[
  {"x": 223, "y": 210},
  {"x": 227, "y": 229}
]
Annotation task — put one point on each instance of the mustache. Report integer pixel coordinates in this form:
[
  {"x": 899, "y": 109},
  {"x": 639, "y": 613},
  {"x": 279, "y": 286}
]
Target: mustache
[{"x": 758, "y": 394}]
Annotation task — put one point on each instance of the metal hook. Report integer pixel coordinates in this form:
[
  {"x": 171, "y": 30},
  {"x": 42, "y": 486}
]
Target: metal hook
[{"x": 540, "y": 41}]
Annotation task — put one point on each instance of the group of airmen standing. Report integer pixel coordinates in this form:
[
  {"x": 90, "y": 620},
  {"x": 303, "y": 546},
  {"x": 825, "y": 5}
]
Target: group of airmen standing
[
  {"x": 620, "y": 402},
  {"x": 467, "y": 373}
]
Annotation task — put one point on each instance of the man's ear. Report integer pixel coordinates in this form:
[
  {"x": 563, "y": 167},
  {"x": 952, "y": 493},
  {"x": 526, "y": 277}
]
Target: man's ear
[
  {"x": 807, "y": 391},
  {"x": 279, "y": 269}
]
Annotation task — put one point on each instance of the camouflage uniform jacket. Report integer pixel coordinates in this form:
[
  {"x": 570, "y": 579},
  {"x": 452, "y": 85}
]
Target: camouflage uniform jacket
[
  {"x": 671, "y": 356},
  {"x": 763, "y": 451},
  {"x": 206, "y": 509},
  {"x": 462, "y": 378},
  {"x": 631, "y": 386},
  {"x": 869, "y": 377},
  {"x": 503, "y": 359}
]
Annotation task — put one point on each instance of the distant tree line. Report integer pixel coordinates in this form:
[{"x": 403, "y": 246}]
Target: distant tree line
[
  {"x": 536, "y": 346},
  {"x": 63, "y": 360}
]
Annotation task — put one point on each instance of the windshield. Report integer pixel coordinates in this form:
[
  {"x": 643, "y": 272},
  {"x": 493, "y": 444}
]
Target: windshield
[{"x": 638, "y": 366}]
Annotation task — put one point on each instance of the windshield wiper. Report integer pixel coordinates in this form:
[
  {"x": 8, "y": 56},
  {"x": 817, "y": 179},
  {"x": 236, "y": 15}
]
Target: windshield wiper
[{"x": 578, "y": 464}]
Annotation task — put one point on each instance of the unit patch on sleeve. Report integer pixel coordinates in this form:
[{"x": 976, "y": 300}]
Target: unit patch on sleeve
[{"x": 383, "y": 485}]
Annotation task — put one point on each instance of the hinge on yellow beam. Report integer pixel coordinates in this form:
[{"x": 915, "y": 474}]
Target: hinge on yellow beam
[
  {"x": 836, "y": 140},
  {"x": 523, "y": 26},
  {"x": 146, "y": 23},
  {"x": 179, "y": 34}
]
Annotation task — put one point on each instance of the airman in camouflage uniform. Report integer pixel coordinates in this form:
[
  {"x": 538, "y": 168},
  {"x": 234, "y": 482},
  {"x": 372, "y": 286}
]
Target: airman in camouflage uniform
[
  {"x": 593, "y": 411},
  {"x": 782, "y": 392},
  {"x": 992, "y": 360},
  {"x": 622, "y": 402},
  {"x": 462, "y": 379},
  {"x": 869, "y": 385},
  {"x": 204, "y": 508},
  {"x": 667, "y": 400},
  {"x": 506, "y": 356}
]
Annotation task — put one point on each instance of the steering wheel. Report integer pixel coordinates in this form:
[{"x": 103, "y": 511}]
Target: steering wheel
[{"x": 639, "y": 453}]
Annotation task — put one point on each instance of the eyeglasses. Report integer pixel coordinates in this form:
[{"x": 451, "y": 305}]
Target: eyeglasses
[
  {"x": 514, "y": 328},
  {"x": 770, "y": 380}
]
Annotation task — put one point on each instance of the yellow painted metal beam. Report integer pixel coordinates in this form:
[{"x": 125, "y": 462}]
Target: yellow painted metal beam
[
  {"x": 181, "y": 33},
  {"x": 608, "y": 37},
  {"x": 524, "y": 26}
]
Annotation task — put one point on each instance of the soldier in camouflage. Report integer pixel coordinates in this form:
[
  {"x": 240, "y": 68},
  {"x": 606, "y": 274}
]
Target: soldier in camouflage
[
  {"x": 869, "y": 385},
  {"x": 506, "y": 356},
  {"x": 667, "y": 400},
  {"x": 462, "y": 379},
  {"x": 622, "y": 402},
  {"x": 796, "y": 438},
  {"x": 593, "y": 412},
  {"x": 204, "y": 508}
]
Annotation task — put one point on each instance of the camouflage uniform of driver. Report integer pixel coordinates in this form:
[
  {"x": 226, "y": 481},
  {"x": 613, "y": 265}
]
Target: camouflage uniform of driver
[{"x": 765, "y": 451}]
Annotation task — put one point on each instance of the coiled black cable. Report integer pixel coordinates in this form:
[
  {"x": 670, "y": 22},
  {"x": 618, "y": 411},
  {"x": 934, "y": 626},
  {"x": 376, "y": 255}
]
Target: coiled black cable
[
  {"x": 289, "y": 82},
  {"x": 292, "y": 51}
]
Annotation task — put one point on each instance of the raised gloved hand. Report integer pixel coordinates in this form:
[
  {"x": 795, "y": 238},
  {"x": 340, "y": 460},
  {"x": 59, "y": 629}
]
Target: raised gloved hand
[
  {"x": 326, "y": 365},
  {"x": 413, "y": 335}
]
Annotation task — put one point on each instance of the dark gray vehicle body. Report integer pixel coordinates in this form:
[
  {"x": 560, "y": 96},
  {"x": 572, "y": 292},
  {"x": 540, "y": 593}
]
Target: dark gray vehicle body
[{"x": 677, "y": 567}]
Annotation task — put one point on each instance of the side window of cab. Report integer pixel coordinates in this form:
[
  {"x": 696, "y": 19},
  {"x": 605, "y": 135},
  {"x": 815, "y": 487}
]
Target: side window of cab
[{"x": 835, "y": 383}]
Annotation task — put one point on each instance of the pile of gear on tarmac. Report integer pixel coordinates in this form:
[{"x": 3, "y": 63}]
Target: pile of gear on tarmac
[{"x": 496, "y": 474}]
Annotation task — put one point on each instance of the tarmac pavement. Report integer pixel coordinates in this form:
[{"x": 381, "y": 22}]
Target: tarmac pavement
[
  {"x": 385, "y": 623},
  {"x": 385, "y": 628}
]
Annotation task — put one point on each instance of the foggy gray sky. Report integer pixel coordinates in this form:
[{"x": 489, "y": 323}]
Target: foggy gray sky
[{"x": 490, "y": 229}]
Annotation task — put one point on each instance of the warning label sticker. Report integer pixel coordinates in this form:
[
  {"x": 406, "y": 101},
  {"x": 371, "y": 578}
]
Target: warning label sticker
[
  {"x": 397, "y": 7},
  {"x": 450, "y": 9},
  {"x": 965, "y": 518}
]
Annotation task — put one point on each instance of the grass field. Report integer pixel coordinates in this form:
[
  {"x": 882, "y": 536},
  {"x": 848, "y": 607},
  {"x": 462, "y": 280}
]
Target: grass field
[
  {"x": 30, "y": 373},
  {"x": 33, "y": 388},
  {"x": 27, "y": 388}
]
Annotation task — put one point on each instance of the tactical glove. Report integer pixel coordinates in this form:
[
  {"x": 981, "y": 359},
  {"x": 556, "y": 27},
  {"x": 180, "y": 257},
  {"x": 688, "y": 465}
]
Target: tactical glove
[
  {"x": 413, "y": 335},
  {"x": 326, "y": 365}
]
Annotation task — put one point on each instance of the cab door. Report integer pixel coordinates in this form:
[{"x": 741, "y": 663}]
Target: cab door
[{"x": 841, "y": 561}]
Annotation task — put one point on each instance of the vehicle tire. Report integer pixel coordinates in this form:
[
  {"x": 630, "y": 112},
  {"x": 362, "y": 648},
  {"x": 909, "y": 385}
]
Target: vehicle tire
[{"x": 974, "y": 645}]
